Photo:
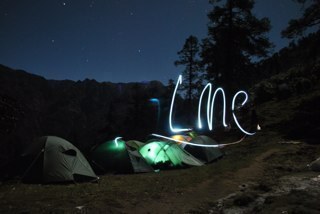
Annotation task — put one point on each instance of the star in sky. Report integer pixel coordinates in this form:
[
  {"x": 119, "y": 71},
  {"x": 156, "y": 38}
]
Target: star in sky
[
  {"x": 114, "y": 34},
  {"x": 91, "y": 4}
]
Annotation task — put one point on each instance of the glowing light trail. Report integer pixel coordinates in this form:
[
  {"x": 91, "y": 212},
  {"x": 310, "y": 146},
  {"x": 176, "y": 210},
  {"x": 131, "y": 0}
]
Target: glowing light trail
[
  {"x": 116, "y": 140},
  {"x": 210, "y": 107},
  {"x": 242, "y": 104},
  {"x": 157, "y": 102},
  {"x": 175, "y": 130},
  {"x": 200, "y": 145}
]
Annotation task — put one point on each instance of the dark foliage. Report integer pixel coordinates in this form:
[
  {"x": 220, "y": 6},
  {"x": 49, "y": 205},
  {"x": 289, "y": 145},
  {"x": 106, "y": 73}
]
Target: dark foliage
[
  {"x": 303, "y": 53},
  {"x": 310, "y": 18},
  {"x": 235, "y": 37},
  {"x": 189, "y": 57},
  {"x": 83, "y": 112}
]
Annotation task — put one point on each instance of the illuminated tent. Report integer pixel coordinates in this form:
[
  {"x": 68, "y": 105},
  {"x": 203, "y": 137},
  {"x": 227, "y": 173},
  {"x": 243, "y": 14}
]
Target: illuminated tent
[
  {"x": 54, "y": 159},
  {"x": 181, "y": 138},
  {"x": 206, "y": 154},
  {"x": 167, "y": 155},
  {"x": 115, "y": 156}
]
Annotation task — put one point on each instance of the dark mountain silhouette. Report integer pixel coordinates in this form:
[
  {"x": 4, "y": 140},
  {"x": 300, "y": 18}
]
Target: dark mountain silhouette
[{"x": 83, "y": 112}]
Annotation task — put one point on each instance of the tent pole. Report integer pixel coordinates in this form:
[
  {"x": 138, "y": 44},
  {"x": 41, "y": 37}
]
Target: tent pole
[
  {"x": 159, "y": 152},
  {"x": 98, "y": 165},
  {"x": 31, "y": 165}
]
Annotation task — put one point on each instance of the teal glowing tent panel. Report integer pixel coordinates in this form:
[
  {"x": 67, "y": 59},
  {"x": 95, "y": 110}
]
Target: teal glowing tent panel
[{"x": 167, "y": 154}]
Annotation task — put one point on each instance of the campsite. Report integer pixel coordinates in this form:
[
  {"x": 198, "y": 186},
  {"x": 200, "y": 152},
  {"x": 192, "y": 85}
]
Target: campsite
[
  {"x": 160, "y": 107},
  {"x": 265, "y": 173}
]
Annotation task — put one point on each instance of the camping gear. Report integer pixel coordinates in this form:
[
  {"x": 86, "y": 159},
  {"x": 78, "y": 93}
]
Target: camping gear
[
  {"x": 115, "y": 156},
  {"x": 167, "y": 155},
  {"x": 206, "y": 154},
  {"x": 56, "y": 160}
]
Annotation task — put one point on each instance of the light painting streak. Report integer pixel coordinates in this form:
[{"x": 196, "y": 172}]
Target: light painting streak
[
  {"x": 157, "y": 102},
  {"x": 224, "y": 107},
  {"x": 182, "y": 141},
  {"x": 200, "y": 145},
  {"x": 116, "y": 140},
  {"x": 208, "y": 104},
  {"x": 258, "y": 127},
  {"x": 175, "y": 130},
  {"x": 242, "y": 104},
  {"x": 210, "y": 108}
]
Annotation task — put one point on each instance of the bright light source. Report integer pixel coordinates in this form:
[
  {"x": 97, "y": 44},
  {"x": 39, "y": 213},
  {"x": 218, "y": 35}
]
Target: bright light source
[
  {"x": 185, "y": 142},
  {"x": 154, "y": 100},
  {"x": 175, "y": 130},
  {"x": 210, "y": 105},
  {"x": 233, "y": 114},
  {"x": 258, "y": 127},
  {"x": 116, "y": 140}
]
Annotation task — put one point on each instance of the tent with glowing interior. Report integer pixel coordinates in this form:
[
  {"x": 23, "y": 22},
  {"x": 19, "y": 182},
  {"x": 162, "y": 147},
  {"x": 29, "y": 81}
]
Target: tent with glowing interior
[
  {"x": 53, "y": 159},
  {"x": 206, "y": 154},
  {"x": 162, "y": 154},
  {"x": 117, "y": 157}
]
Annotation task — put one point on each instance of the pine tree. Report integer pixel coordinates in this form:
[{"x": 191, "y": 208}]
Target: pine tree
[
  {"x": 189, "y": 57},
  {"x": 235, "y": 37},
  {"x": 310, "y": 18}
]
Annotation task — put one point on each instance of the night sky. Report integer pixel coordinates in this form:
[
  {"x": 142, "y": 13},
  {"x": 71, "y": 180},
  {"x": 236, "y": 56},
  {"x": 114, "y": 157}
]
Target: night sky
[{"x": 112, "y": 40}]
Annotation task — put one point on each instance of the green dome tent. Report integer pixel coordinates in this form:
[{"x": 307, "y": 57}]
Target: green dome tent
[
  {"x": 206, "y": 154},
  {"x": 56, "y": 160},
  {"x": 116, "y": 156},
  {"x": 167, "y": 154}
]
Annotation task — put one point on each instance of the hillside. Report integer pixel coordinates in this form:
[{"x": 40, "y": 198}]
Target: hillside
[{"x": 84, "y": 112}]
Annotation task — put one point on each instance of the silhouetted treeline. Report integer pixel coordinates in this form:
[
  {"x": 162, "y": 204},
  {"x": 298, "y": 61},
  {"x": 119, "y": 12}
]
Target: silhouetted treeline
[
  {"x": 83, "y": 112},
  {"x": 302, "y": 52}
]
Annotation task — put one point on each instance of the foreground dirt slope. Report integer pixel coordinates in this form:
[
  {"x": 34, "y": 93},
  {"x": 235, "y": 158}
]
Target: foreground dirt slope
[{"x": 264, "y": 168}]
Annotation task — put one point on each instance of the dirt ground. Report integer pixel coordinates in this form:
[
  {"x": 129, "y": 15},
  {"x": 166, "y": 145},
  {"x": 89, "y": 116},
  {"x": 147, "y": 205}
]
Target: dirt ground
[
  {"x": 278, "y": 173},
  {"x": 263, "y": 174}
]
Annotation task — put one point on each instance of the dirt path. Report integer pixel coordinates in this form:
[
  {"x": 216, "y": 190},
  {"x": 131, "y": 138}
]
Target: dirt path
[{"x": 208, "y": 191}]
